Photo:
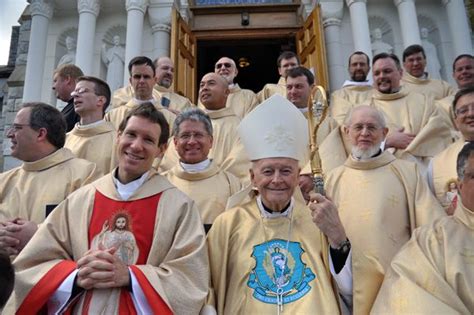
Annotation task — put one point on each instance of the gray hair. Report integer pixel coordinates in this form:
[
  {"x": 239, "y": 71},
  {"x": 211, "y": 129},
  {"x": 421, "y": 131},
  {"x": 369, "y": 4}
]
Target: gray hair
[
  {"x": 193, "y": 114},
  {"x": 463, "y": 157},
  {"x": 378, "y": 115}
]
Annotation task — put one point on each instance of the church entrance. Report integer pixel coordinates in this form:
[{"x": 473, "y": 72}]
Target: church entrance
[{"x": 255, "y": 58}]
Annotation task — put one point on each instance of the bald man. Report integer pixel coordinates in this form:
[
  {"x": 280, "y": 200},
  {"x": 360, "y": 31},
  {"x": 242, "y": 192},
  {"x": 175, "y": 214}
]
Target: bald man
[{"x": 242, "y": 101}]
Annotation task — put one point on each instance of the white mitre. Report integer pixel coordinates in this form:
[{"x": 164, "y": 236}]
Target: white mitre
[{"x": 275, "y": 128}]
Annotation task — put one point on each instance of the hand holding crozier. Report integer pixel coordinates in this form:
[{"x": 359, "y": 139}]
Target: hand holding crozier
[{"x": 326, "y": 218}]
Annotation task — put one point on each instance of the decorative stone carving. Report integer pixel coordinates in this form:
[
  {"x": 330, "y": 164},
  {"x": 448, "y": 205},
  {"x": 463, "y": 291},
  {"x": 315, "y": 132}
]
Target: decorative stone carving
[
  {"x": 91, "y": 6},
  {"x": 378, "y": 45},
  {"x": 136, "y": 5},
  {"x": 70, "y": 56},
  {"x": 42, "y": 7},
  {"x": 114, "y": 59},
  {"x": 433, "y": 66}
]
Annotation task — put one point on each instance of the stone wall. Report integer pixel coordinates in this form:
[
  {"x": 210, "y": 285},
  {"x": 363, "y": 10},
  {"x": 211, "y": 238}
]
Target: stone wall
[{"x": 14, "y": 97}]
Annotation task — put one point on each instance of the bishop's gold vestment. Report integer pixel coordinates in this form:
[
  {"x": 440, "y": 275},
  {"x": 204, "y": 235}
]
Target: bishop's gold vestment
[
  {"x": 270, "y": 88},
  {"x": 437, "y": 89},
  {"x": 380, "y": 202},
  {"x": 247, "y": 253},
  {"x": 433, "y": 273},
  {"x": 32, "y": 190},
  {"x": 175, "y": 267},
  {"x": 344, "y": 99},
  {"x": 210, "y": 189},
  {"x": 94, "y": 143}
]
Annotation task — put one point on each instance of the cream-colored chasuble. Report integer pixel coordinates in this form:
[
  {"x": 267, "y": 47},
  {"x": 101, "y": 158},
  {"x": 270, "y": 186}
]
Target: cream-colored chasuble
[
  {"x": 115, "y": 116},
  {"x": 446, "y": 105},
  {"x": 437, "y": 89},
  {"x": 242, "y": 101},
  {"x": 334, "y": 150},
  {"x": 417, "y": 114},
  {"x": 176, "y": 264},
  {"x": 250, "y": 255},
  {"x": 444, "y": 172},
  {"x": 210, "y": 189},
  {"x": 177, "y": 102},
  {"x": 95, "y": 144},
  {"x": 380, "y": 202},
  {"x": 125, "y": 94},
  {"x": 34, "y": 189},
  {"x": 270, "y": 88},
  {"x": 344, "y": 99},
  {"x": 434, "y": 272}
]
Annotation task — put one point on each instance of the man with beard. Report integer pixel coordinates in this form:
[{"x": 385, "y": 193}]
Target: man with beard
[
  {"x": 463, "y": 74},
  {"x": 286, "y": 61},
  {"x": 353, "y": 91},
  {"x": 378, "y": 221},
  {"x": 164, "y": 74},
  {"x": 442, "y": 169},
  {"x": 433, "y": 273},
  {"x": 242, "y": 101},
  {"x": 418, "y": 130},
  {"x": 415, "y": 79}
]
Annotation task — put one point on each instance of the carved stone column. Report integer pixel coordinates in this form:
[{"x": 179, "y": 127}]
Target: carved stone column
[
  {"x": 408, "y": 22},
  {"x": 459, "y": 27},
  {"x": 159, "y": 13},
  {"x": 332, "y": 16},
  {"x": 135, "y": 14},
  {"x": 88, "y": 12},
  {"x": 360, "y": 26},
  {"x": 41, "y": 13}
]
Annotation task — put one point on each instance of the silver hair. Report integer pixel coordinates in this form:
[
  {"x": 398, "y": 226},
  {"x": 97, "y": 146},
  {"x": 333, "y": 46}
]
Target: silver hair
[
  {"x": 193, "y": 114},
  {"x": 378, "y": 115},
  {"x": 463, "y": 157}
]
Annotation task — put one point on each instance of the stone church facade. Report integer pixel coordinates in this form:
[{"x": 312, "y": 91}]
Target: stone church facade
[{"x": 50, "y": 29}]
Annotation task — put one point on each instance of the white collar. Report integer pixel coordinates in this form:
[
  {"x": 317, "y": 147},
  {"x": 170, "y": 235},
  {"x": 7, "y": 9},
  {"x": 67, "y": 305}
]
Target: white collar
[
  {"x": 268, "y": 215},
  {"x": 139, "y": 102},
  {"x": 126, "y": 190},
  {"x": 354, "y": 83},
  {"x": 303, "y": 110},
  {"x": 195, "y": 168},
  {"x": 91, "y": 125}
]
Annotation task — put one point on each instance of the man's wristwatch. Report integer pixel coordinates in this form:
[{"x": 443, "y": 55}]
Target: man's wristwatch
[{"x": 344, "y": 247}]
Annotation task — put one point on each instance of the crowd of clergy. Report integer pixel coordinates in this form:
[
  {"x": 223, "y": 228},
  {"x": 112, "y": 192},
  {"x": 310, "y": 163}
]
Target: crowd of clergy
[{"x": 137, "y": 201}]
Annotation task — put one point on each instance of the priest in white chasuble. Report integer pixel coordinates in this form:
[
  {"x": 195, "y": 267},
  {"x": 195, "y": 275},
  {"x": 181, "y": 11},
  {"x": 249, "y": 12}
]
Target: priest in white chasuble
[
  {"x": 416, "y": 79},
  {"x": 242, "y": 101},
  {"x": 433, "y": 273},
  {"x": 417, "y": 128},
  {"x": 48, "y": 174},
  {"x": 266, "y": 255},
  {"x": 442, "y": 176},
  {"x": 227, "y": 150},
  {"x": 142, "y": 79},
  {"x": 126, "y": 244},
  {"x": 380, "y": 200},
  {"x": 92, "y": 138},
  {"x": 354, "y": 91},
  {"x": 196, "y": 175}
]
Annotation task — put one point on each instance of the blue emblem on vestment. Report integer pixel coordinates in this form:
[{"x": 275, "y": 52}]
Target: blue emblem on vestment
[{"x": 276, "y": 268}]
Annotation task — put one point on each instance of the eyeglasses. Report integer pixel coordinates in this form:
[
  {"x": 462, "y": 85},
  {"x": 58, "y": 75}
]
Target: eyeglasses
[
  {"x": 186, "y": 136},
  {"x": 224, "y": 64},
  {"x": 80, "y": 91},
  {"x": 464, "y": 110},
  {"x": 16, "y": 127}
]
